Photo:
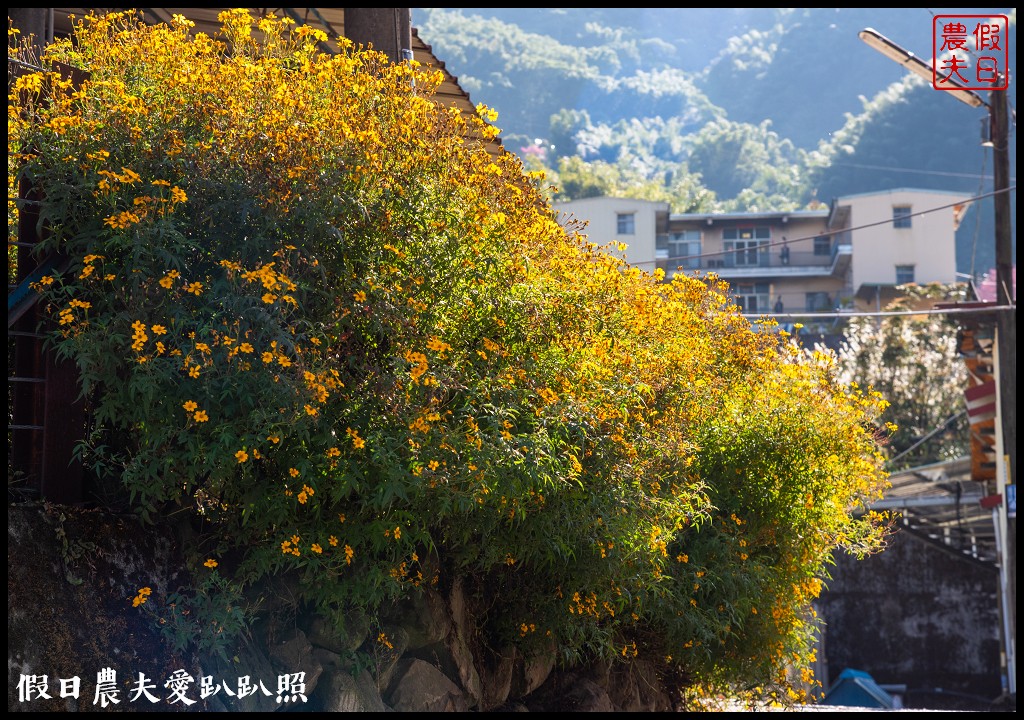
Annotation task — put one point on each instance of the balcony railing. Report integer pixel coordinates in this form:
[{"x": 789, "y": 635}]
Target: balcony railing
[{"x": 774, "y": 259}]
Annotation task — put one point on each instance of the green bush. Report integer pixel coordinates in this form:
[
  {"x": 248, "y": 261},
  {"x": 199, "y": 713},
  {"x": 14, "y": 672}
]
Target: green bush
[{"x": 311, "y": 309}]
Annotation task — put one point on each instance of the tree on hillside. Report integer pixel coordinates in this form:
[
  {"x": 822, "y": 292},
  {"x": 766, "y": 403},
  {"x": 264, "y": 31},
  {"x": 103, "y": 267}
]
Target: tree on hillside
[
  {"x": 576, "y": 179},
  {"x": 908, "y": 121},
  {"x": 737, "y": 158},
  {"x": 316, "y": 317}
]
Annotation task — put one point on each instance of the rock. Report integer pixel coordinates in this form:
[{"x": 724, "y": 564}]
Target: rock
[
  {"x": 418, "y": 686},
  {"x": 293, "y": 655},
  {"x": 343, "y": 636},
  {"x": 386, "y": 649},
  {"x": 531, "y": 672},
  {"x": 340, "y": 691},
  {"x": 425, "y": 617},
  {"x": 496, "y": 671},
  {"x": 247, "y": 661}
]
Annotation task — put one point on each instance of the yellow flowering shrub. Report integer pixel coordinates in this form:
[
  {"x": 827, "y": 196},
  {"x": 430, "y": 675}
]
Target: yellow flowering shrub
[{"x": 309, "y": 307}]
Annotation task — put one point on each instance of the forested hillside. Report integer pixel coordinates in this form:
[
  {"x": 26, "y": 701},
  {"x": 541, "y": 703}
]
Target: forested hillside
[{"x": 723, "y": 109}]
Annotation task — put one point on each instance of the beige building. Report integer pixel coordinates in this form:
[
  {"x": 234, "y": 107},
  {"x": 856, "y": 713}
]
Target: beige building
[{"x": 851, "y": 255}]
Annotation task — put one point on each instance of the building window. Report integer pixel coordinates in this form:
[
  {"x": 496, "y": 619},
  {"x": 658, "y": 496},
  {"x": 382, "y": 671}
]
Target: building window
[
  {"x": 818, "y": 301},
  {"x": 748, "y": 245},
  {"x": 823, "y": 245},
  {"x": 901, "y": 216},
  {"x": 904, "y": 274},
  {"x": 625, "y": 223},
  {"x": 684, "y": 249},
  {"x": 753, "y": 297}
]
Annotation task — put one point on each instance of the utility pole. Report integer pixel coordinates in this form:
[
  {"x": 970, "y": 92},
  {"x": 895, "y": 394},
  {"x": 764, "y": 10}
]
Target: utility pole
[
  {"x": 1006, "y": 347},
  {"x": 1005, "y": 321}
]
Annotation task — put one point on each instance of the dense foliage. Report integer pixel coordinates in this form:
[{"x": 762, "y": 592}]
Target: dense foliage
[
  {"x": 312, "y": 311},
  {"x": 915, "y": 362}
]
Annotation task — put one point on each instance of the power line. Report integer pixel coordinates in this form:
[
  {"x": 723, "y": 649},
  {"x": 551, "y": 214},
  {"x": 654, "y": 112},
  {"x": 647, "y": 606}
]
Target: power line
[
  {"x": 917, "y": 172},
  {"x": 945, "y": 423},
  {"x": 886, "y": 313}
]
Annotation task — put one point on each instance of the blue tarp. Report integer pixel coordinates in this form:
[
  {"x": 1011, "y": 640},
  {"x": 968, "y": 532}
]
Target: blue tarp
[{"x": 856, "y": 688}]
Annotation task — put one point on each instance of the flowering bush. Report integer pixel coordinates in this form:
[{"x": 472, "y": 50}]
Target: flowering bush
[{"x": 309, "y": 307}]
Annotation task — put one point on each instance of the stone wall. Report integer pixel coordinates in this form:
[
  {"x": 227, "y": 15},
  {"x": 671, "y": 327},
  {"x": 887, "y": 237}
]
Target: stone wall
[
  {"x": 72, "y": 575},
  {"x": 919, "y": 616}
]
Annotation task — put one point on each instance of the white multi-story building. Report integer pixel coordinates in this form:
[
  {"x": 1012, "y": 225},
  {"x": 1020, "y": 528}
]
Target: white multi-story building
[{"x": 850, "y": 255}]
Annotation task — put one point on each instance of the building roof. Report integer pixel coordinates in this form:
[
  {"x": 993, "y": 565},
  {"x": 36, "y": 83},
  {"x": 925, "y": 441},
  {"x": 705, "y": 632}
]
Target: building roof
[
  {"x": 942, "y": 505},
  {"x": 773, "y": 215},
  {"x": 893, "y": 191}
]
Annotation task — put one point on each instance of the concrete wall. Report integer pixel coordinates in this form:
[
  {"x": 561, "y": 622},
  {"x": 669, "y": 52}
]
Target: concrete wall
[
  {"x": 601, "y": 214},
  {"x": 915, "y": 615},
  {"x": 929, "y": 244}
]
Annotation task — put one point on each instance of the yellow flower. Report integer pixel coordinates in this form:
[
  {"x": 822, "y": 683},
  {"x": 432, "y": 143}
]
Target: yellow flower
[
  {"x": 201, "y": 416},
  {"x": 242, "y": 456},
  {"x": 438, "y": 346},
  {"x": 211, "y": 563},
  {"x": 316, "y": 548},
  {"x": 349, "y": 554},
  {"x": 333, "y": 541},
  {"x": 293, "y": 472},
  {"x": 360, "y": 296},
  {"x": 159, "y": 330},
  {"x": 190, "y": 406}
]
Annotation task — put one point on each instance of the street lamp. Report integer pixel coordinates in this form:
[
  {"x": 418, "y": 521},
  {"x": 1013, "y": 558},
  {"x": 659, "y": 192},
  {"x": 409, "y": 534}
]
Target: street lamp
[
  {"x": 918, "y": 66},
  {"x": 1006, "y": 311}
]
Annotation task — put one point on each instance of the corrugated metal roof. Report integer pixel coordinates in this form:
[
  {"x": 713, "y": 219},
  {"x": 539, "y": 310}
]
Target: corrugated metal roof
[{"x": 942, "y": 504}]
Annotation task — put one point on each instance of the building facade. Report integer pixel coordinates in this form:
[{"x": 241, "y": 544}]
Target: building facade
[{"x": 851, "y": 255}]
